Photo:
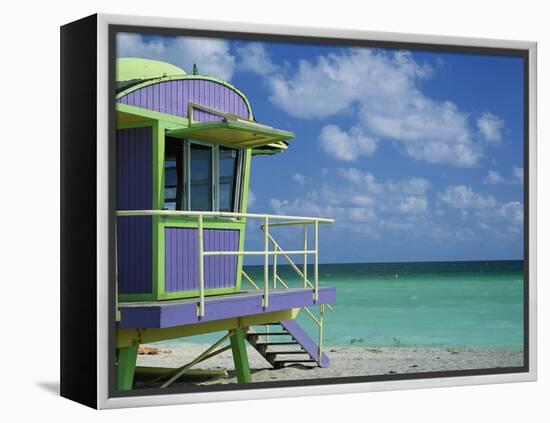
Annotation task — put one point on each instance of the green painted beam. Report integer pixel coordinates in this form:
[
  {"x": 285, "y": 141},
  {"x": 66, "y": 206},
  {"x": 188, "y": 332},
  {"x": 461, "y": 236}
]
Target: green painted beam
[
  {"x": 240, "y": 357},
  {"x": 126, "y": 366}
]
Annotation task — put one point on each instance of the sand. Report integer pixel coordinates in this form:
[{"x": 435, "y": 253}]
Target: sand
[{"x": 344, "y": 361}]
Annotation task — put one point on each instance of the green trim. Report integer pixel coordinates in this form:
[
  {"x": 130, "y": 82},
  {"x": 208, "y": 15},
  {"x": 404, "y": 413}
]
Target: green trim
[
  {"x": 246, "y": 180},
  {"x": 183, "y": 222},
  {"x": 161, "y": 294},
  {"x": 195, "y": 293},
  {"x": 235, "y": 134},
  {"x": 170, "y": 121},
  {"x": 177, "y": 77},
  {"x": 126, "y": 337},
  {"x": 130, "y": 125},
  {"x": 240, "y": 357},
  {"x": 136, "y": 297},
  {"x": 126, "y": 365},
  {"x": 243, "y": 208},
  {"x": 158, "y": 204},
  {"x": 137, "y": 68}
]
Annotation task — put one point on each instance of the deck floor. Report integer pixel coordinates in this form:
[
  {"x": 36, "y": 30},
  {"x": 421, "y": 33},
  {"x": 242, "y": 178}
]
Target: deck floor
[{"x": 169, "y": 313}]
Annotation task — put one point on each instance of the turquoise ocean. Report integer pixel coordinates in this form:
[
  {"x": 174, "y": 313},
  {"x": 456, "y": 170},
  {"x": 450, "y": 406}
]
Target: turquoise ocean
[{"x": 477, "y": 304}]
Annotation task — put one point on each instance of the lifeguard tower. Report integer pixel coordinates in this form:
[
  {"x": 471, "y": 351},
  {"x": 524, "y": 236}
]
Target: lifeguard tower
[{"x": 184, "y": 148}]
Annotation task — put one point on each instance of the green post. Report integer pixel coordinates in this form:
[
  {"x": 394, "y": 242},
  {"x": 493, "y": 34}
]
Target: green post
[
  {"x": 240, "y": 358},
  {"x": 126, "y": 366}
]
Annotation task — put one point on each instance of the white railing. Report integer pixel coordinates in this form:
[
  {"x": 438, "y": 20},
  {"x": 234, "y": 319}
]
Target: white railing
[{"x": 266, "y": 252}]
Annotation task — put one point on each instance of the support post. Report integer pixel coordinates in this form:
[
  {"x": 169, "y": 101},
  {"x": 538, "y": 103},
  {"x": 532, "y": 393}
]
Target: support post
[
  {"x": 266, "y": 262},
  {"x": 275, "y": 270},
  {"x": 240, "y": 357},
  {"x": 321, "y": 332},
  {"x": 305, "y": 255},
  {"x": 316, "y": 263},
  {"x": 126, "y": 366}
]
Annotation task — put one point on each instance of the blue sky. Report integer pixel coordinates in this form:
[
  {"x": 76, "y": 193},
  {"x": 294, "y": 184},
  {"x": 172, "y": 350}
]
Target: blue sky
[{"x": 417, "y": 155}]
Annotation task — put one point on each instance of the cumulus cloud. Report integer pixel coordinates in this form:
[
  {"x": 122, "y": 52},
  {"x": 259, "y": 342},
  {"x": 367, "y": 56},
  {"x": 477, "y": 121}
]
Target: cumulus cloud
[
  {"x": 299, "y": 178},
  {"x": 253, "y": 57},
  {"x": 365, "y": 205},
  {"x": 413, "y": 205},
  {"x": 493, "y": 178},
  {"x": 251, "y": 198},
  {"x": 334, "y": 82},
  {"x": 490, "y": 127},
  {"x": 360, "y": 198},
  {"x": 463, "y": 197},
  {"x": 212, "y": 56},
  {"x": 518, "y": 173},
  {"x": 507, "y": 213},
  {"x": 499, "y": 220},
  {"x": 385, "y": 90},
  {"x": 358, "y": 177},
  {"x": 346, "y": 146}
]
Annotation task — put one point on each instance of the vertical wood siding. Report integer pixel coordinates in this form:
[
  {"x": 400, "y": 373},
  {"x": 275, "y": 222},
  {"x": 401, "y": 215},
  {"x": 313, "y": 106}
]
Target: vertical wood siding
[
  {"x": 134, "y": 192},
  {"x": 172, "y": 97},
  {"x": 181, "y": 259}
]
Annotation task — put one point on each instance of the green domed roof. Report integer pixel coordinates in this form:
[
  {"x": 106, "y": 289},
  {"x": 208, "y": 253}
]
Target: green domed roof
[{"x": 133, "y": 68}]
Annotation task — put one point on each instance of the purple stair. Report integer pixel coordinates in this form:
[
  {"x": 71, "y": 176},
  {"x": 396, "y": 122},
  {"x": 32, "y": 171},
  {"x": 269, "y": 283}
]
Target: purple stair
[{"x": 308, "y": 351}]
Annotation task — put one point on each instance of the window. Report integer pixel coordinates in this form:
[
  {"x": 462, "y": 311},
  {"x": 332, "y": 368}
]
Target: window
[
  {"x": 227, "y": 171},
  {"x": 173, "y": 174},
  {"x": 201, "y": 177}
]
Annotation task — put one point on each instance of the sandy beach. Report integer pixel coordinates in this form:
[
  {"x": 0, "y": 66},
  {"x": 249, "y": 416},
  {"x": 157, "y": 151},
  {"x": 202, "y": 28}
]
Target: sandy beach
[{"x": 344, "y": 361}]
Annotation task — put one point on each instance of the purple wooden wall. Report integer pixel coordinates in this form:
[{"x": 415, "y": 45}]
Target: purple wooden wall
[
  {"x": 172, "y": 97},
  {"x": 181, "y": 265},
  {"x": 134, "y": 192}
]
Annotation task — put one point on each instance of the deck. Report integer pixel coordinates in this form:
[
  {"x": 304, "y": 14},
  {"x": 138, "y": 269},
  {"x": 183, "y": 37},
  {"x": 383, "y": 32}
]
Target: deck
[{"x": 166, "y": 314}]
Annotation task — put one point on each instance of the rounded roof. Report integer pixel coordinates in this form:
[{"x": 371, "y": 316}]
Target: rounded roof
[{"x": 133, "y": 68}]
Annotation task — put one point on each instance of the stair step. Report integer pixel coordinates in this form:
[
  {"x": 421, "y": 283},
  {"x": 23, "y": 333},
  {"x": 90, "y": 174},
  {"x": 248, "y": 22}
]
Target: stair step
[
  {"x": 268, "y": 334},
  {"x": 294, "y": 361},
  {"x": 261, "y": 344},
  {"x": 286, "y": 352}
]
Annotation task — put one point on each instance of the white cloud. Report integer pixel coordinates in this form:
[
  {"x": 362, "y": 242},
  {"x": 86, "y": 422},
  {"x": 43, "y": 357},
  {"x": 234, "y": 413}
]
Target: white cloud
[
  {"x": 385, "y": 89},
  {"x": 367, "y": 180},
  {"x": 253, "y": 57},
  {"x": 346, "y": 146},
  {"x": 518, "y": 174},
  {"x": 512, "y": 211},
  {"x": 251, "y": 198},
  {"x": 335, "y": 81},
  {"x": 498, "y": 220},
  {"x": 211, "y": 55},
  {"x": 465, "y": 234},
  {"x": 394, "y": 205},
  {"x": 413, "y": 205},
  {"x": 414, "y": 185},
  {"x": 299, "y": 178},
  {"x": 493, "y": 178},
  {"x": 365, "y": 206},
  {"x": 463, "y": 197},
  {"x": 507, "y": 213},
  {"x": 490, "y": 127}
]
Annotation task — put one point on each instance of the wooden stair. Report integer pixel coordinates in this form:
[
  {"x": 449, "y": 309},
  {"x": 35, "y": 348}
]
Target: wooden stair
[{"x": 298, "y": 345}]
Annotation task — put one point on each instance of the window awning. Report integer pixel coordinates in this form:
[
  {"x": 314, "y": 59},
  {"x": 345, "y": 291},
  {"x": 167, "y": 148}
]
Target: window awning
[{"x": 239, "y": 133}]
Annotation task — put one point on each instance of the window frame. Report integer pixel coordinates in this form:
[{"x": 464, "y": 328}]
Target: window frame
[{"x": 215, "y": 175}]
